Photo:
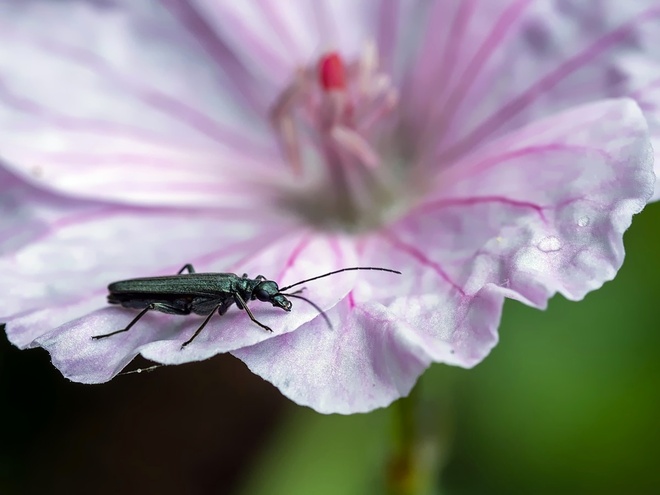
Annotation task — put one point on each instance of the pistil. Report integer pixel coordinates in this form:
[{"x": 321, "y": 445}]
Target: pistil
[{"x": 330, "y": 119}]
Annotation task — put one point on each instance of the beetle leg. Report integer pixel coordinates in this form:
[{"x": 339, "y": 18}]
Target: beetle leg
[
  {"x": 188, "y": 267},
  {"x": 201, "y": 327},
  {"x": 135, "y": 320},
  {"x": 223, "y": 307},
  {"x": 240, "y": 302}
]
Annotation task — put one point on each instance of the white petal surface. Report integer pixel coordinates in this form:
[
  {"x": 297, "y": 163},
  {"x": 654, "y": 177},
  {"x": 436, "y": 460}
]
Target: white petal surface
[
  {"x": 159, "y": 337},
  {"x": 120, "y": 101},
  {"x": 59, "y": 254},
  {"x": 495, "y": 66},
  {"x": 541, "y": 211},
  {"x": 368, "y": 360}
]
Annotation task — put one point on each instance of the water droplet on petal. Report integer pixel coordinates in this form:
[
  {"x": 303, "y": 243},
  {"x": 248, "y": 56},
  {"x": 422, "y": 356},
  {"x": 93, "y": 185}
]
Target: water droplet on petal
[
  {"x": 549, "y": 244},
  {"x": 583, "y": 221}
]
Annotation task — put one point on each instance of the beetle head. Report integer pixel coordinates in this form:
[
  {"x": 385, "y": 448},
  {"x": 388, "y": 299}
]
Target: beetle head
[{"x": 268, "y": 291}]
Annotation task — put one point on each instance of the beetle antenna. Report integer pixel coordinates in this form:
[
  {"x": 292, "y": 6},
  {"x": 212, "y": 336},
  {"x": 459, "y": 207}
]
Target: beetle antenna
[
  {"x": 316, "y": 306},
  {"x": 339, "y": 271}
]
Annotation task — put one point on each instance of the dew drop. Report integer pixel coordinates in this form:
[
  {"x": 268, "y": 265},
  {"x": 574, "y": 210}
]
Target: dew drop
[
  {"x": 583, "y": 221},
  {"x": 549, "y": 244}
]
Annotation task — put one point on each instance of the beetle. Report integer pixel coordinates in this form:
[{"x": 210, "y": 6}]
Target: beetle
[{"x": 205, "y": 293}]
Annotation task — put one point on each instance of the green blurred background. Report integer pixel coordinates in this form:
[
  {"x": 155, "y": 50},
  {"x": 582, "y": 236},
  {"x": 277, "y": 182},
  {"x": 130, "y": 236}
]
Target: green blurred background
[{"x": 568, "y": 402}]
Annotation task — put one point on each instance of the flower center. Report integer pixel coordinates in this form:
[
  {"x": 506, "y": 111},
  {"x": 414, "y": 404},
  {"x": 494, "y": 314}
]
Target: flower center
[{"x": 335, "y": 123}]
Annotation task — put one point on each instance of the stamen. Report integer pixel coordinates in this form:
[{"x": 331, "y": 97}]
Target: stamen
[
  {"x": 359, "y": 147},
  {"x": 331, "y": 118},
  {"x": 332, "y": 74},
  {"x": 289, "y": 136},
  {"x": 367, "y": 67},
  {"x": 378, "y": 110},
  {"x": 282, "y": 119}
]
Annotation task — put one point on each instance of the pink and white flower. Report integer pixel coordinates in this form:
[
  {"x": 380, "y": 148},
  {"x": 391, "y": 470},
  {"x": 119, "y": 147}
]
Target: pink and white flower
[{"x": 487, "y": 149}]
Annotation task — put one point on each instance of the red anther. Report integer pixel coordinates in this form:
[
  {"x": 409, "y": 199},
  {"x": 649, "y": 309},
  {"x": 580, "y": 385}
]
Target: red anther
[{"x": 331, "y": 72}]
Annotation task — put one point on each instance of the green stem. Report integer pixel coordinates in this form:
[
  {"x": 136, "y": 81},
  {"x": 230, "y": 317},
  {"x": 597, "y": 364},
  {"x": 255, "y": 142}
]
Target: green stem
[{"x": 409, "y": 472}]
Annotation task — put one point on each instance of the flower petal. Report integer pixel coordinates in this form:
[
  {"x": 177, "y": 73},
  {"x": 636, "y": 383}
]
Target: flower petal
[
  {"x": 368, "y": 360},
  {"x": 119, "y": 102},
  {"x": 60, "y": 254},
  {"x": 298, "y": 256},
  {"x": 159, "y": 337},
  {"x": 581, "y": 175},
  {"x": 455, "y": 324},
  {"x": 499, "y": 65},
  {"x": 540, "y": 211},
  {"x": 275, "y": 39},
  {"x": 543, "y": 210}
]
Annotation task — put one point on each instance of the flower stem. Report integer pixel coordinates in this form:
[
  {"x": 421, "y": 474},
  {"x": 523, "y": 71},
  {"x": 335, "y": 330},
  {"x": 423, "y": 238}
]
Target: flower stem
[{"x": 411, "y": 470}]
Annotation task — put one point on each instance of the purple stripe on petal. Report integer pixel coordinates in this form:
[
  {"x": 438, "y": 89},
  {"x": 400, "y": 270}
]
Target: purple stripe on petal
[
  {"x": 501, "y": 29},
  {"x": 274, "y": 16},
  {"x": 545, "y": 84},
  {"x": 433, "y": 74},
  {"x": 174, "y": 108},
  {"x": 295, "y": 253},
  {"x": 387, "y": 26},
  {"x": 227, "y": 61},
  {"x": 48, "y": 116},
  {"x": 468, "y": 201},
  {"x": 495, "y": 160},
  {"x": 259, "y": 53},
  {"x": 420, "y": 257}
]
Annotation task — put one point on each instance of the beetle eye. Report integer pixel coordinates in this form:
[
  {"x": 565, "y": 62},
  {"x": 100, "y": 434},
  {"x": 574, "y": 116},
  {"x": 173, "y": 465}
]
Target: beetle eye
[
  {"x": 265, "y": 290},
  {"x": 262, "y": 295}
]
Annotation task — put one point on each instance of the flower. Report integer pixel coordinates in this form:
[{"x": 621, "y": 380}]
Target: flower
[{"x": 485, "y": 149}]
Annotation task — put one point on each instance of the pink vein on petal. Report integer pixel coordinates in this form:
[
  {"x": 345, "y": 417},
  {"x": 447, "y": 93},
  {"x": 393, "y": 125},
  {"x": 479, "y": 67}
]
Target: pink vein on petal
[
  {"x": 160, "y": 186},
  {"x": 226, "y": 60},
  {"x": 300, "y": 247},
  {"x": 220, "y": 253},
  {"x": 281, "y": 233},
  {"x": 258, "y": 49},
  {"x": 197, "y": 120},
  {"x": 493, "y": 161},
  {"x": 421, "y": 258},
  {"x": 387, "y": 27},
  {"x": 546, "y": 83},
  {"x": 84, "y": 217},
  {"x": 152, "y": 167},
  {"x": 78, "y": 124},
  {"x": 426, "y": 66},
  {"x": 485, "y": 51},
  {"x": 153, "y": 163},
  {"x": 457, "y": 32},
  {"x": 167, "y": 105},
  {"x": 470, "y": 201},
  {"x": 351, "y": 300},
  {"x": 119, "y": 159},
  {"x": 279, "y": 28},
  {"x": 335, "y": 248}
]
